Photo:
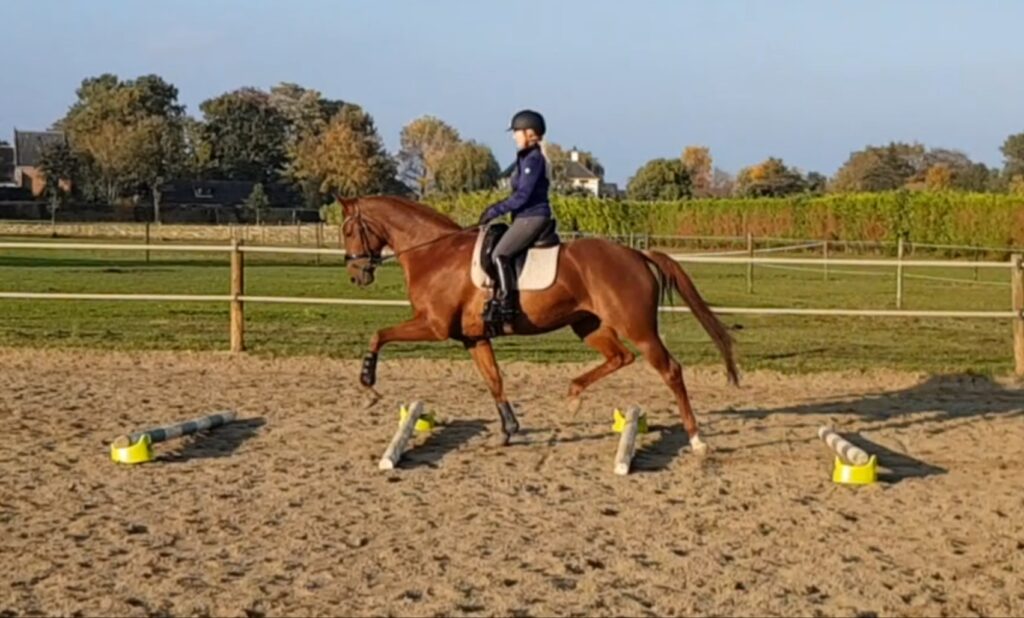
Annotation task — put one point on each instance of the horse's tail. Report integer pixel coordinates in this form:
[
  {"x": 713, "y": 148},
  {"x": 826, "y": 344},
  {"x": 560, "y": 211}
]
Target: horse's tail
[{"x": 669, "y": 271}]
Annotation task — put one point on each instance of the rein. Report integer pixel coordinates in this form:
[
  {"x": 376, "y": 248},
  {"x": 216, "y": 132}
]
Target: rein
[{"x": 376, "y": 259}]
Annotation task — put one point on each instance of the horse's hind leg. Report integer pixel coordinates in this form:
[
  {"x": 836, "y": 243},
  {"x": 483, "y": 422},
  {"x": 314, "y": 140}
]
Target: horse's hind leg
[
  {"x": 658, "y": 356},
  {"x": 483, "y": 358},
  {"x": 606, "y": 341}
]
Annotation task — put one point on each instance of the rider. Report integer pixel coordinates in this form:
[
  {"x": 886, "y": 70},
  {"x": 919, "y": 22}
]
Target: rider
[{"x": 529, "y": 206}]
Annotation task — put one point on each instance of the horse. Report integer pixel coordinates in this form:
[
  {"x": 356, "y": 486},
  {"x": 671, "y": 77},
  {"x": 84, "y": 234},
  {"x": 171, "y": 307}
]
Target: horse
[{"x": 603, "y": 291}]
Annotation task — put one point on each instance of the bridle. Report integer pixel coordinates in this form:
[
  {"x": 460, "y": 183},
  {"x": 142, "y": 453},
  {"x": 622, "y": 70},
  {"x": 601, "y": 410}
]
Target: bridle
[{"x": 373, "y": 260}]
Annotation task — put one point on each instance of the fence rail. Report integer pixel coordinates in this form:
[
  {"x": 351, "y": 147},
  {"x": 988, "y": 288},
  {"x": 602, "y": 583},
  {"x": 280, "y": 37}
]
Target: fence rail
[{"x": 237, "y": 298}]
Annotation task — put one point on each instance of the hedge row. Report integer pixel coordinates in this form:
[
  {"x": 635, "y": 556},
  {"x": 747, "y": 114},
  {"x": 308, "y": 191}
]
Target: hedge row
[{"x": 926, "y": 217}]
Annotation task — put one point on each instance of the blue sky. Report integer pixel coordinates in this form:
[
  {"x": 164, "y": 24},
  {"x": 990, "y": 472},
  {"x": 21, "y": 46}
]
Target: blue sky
[{"x": 808, "y": 81}]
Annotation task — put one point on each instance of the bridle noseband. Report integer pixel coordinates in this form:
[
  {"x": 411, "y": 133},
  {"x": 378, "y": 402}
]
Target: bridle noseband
[{"x": 372, "y": 259}]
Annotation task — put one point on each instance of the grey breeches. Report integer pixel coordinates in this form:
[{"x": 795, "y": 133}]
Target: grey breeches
[{"x": 520, "y": 235}]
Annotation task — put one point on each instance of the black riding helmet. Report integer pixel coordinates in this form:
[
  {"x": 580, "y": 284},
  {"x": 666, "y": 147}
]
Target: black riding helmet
[{"x": 528, "y": 119}]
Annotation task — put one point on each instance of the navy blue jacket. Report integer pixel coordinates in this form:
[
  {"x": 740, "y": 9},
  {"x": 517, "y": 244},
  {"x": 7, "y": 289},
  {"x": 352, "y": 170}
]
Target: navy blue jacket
[{"x": 529, "y": 188}]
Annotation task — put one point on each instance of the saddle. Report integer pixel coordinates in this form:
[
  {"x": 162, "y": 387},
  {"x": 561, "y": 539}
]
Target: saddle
[{"x": 536, "y": 267}]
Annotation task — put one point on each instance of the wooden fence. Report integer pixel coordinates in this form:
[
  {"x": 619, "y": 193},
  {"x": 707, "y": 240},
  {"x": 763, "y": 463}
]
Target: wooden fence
[{"x": 237, "y": 298}]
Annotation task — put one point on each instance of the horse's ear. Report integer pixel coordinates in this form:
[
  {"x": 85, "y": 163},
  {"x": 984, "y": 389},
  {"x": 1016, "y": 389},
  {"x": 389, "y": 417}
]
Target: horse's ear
[{"x": 348, "y": 205}]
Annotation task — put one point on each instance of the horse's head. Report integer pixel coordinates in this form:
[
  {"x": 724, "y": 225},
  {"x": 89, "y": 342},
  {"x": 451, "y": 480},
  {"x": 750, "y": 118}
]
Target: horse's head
[{"x": 363, "y": 243}]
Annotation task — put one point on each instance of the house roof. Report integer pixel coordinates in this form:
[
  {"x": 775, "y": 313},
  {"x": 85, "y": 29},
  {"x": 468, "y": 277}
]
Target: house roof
[
  {"x": 29, "y": 145},
  {"x": 219, "y": 192},
  {"x": 574, "y": 170}
]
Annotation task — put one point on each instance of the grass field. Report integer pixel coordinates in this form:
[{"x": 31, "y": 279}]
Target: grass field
[{"x": 790, "y": 344}]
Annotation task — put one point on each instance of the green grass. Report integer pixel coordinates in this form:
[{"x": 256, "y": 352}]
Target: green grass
[{"x": 790, "y": 344}]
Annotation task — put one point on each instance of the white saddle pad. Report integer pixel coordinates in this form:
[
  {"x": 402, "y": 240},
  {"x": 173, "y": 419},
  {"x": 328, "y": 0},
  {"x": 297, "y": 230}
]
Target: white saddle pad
[{"x": 538, "y": 273}]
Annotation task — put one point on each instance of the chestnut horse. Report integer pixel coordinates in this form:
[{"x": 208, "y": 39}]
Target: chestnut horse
[{"x": 603, "y": 291}]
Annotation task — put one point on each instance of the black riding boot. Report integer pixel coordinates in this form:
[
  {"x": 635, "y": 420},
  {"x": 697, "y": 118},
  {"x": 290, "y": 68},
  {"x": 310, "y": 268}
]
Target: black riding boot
[{"x": 501, "y": 309}]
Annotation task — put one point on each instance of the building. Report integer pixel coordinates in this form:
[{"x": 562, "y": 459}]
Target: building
[
  {"x": 28, "y": 151},
  {"x": 6, "y": 165},
  {"x": 580, "y": 177},
  {"x": 221, "y": 193}
]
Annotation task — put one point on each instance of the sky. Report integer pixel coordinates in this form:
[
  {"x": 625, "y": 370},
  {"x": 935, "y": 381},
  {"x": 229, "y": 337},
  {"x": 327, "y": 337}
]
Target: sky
[{"x": 807, "y": 81}]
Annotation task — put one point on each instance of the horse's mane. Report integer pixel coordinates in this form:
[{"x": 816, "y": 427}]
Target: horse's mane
[{"x": 422, "y": 210}]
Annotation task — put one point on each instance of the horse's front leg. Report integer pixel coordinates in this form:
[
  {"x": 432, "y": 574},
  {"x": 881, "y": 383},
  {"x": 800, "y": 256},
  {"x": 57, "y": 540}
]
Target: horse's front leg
[
  {"x": 418, "y": 328},
  {"x": 487, "y": 365}
]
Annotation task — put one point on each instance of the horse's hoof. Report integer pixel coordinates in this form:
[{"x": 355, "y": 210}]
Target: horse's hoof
[
  {"x": 574, "y": 405},
  {"x": 698, "y": 446},
  {"x": 503, "y": 439}
]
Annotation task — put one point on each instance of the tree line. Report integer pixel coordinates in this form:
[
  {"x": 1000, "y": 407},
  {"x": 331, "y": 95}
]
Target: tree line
[{"x": 127, "y": 138}]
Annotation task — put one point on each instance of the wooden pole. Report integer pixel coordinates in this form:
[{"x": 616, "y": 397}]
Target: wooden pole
[
  {"x": 824, "y": 252},
  {"x": 627, "y": 442},
  {"x": 899, "y": 273},
  {"x": 1017, "y": 288},
  {"x": 147, "y": 242},
  {"x": 319, "y": 239},
  {"x": 750, "y": 265},
  {"x": 298, "y": 232},
  {"x": 237, "y": 290},
  {"x": 847, "y": 452},
  {"x": 394, "y": 451}
]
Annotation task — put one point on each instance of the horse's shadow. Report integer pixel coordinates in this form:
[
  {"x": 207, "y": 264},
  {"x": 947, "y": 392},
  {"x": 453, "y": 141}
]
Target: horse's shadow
[
  {"x": 937, "y": 405},
  {"x": 947, "y": 397},
  {"x": 443, "y": 440}
]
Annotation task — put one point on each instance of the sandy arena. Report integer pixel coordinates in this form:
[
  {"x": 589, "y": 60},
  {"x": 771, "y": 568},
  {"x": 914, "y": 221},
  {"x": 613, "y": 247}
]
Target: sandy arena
[{"x": 285, "y": 513}]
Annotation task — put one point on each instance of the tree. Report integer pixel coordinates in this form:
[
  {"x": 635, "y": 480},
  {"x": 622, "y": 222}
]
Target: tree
[
  {"x": 126, "y": 133},
  {"x": 722, "y": 183},
  {"x": 660, "y": 179},
  {"x": 246, "y": 136},
  {"x": 816, "y": 183},
  {"x": 307, "y": 113},
  {"x": 1013, "y": 152},
  {"x": 425, "y": 143},
  {"x": 198, "y": 155},
  {"x": 951, "y": 169},
  {"x": 161, "y": 152},
  {"x": 698, "y": 164},
  {"x": 880, "y": 168},
  {"x": 1016, "y": 185},
  {"x": 60, "y": 170},
  {"x": 347, "y": 158},
  {"x": 468, "y": 166},
  {"x": 770, "y": 178},
  {"x": 257, "y": 202},
  {"x": 939, "y": 177}
]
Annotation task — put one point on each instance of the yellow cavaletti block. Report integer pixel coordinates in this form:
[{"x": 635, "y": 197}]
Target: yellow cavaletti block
[
  {"x": 140, "y": 452},
  {"x": 848, "y": 474},
  {"x": 620, "y": 422},
  {"x": 425, "y": 422}
]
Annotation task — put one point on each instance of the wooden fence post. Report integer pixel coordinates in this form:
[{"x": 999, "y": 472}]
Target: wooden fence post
[
  {"x": 1017, "y": 289},
  {"x": 319, "y": 239},
  {"x": 750, "y": 265},
  {"x": 899, "y": 273},
  {"x": 237, "y": 290},
  {"x": 147, "y": 242},
  {"x": 298, "y": 232},
  {"x": 824, "y": 252}
]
